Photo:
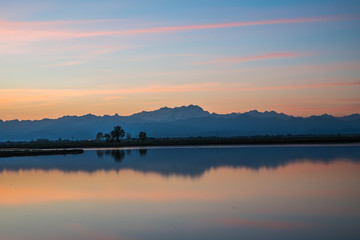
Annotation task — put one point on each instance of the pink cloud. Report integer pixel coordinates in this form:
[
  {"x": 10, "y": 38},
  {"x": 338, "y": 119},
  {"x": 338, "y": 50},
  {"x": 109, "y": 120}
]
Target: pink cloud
[
  {"x": 39, "y": 94},
  {"x": 315, "y": 85},
  {"x": 223, "y": 25},
  {"x": 67, "y": 63},
  {"x": 86, "y": 54},
  {"x": 22, "y": 24},
  {"x": 254, "y": 58},
  {"x": 39, "y": 31}
]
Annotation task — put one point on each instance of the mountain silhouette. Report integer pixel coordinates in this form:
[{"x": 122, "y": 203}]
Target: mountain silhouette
[
  {"x": 171, "y": 114},
  {"x": 185, "y": 121}
]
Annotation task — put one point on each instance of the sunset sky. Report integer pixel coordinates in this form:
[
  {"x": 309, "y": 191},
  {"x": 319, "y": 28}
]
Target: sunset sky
[{"x": 105, "y": 57}]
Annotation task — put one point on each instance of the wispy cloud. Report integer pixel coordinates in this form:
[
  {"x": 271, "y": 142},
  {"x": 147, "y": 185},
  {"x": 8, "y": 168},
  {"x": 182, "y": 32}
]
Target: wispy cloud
[
  {"x": 113, "y": 98},
  {"x": 67, "y": 63},
  {"x": 265, "y": 56},
  {"x": 216, "y": 25},
  {"x": 314, "y": 85},
  {"x": 36, "y": 94},
  {"x": 40, "y": 31},
  {"x": 151, "y": 57},
  {"x": 226, "y": 25},
  {"x": 88, "y": 53},
  {"x": 24, "y": 24}
]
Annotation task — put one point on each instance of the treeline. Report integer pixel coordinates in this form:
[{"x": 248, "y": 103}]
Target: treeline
[
  {"x": 253, "y": 140},
  {"x": 117, "y": 134}
]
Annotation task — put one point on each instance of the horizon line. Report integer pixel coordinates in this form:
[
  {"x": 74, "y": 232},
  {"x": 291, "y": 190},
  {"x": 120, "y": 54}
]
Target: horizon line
[{"x": 116, "y": 114}]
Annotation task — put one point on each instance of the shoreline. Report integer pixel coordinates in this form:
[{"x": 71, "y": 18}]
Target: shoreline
[
  {"x": 38, "y": 152},
  {"x": 198, "y": 141}
]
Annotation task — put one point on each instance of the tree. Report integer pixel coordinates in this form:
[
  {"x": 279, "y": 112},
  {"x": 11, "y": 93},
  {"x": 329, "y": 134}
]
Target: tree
[
  {"x": 117, "y": 133},
  {"x": 142, "y": 136},
  {"x": 113, "y": 135},
  {"x": 99, "y": 136},
  {"x": 107, "y": 137},
  {"x": 128, "y": 136}
]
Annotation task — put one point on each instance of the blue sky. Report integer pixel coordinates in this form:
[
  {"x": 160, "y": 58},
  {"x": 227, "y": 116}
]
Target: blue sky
[{"x": 106, "y": 57}]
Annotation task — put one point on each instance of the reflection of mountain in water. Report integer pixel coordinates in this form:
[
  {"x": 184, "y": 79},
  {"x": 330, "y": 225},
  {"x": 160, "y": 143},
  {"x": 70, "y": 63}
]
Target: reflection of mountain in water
[{"x": 184, "y": 161}]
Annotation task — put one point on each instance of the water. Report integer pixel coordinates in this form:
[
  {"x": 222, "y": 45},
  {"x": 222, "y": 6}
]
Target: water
[{"x": 255, "y": 192}]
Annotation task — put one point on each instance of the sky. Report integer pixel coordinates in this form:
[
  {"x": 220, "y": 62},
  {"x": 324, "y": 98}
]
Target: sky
[{"x": 105, "y": 57}]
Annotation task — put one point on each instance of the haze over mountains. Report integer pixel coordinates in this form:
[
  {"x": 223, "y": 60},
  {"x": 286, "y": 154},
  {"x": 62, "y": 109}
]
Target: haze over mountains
[{"x": 185, "y": 121}]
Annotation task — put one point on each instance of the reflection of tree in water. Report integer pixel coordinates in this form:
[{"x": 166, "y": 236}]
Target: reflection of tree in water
[
  {"x": 192, "y": 162},
  {"x": 100, "y": 153},
  {"x": 119, "y": 155},
  {"x": 142, "y": 152},
  {"x": 128, "y": 152}
]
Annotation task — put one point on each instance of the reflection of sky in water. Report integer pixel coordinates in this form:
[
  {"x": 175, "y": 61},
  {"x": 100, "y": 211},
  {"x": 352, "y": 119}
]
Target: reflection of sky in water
[{"x": 194, "y": 193}]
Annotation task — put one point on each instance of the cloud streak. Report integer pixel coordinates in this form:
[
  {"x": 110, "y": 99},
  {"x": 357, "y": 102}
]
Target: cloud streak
[
  {"x": 226, "y": 25},
  {"x": 28, "y": 94},
  {"x": 266, "y": 56},
  {"x": 67, "y": 63},
  {"x": 40, "y": 31},
  {"x": 23, "y": 24}
]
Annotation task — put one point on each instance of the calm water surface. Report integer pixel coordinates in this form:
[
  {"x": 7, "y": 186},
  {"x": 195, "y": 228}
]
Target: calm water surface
[{"x": 257, "y": 192}]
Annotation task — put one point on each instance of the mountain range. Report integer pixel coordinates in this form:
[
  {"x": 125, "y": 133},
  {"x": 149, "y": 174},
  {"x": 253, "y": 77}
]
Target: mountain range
[{"x": 185, "y": 121}]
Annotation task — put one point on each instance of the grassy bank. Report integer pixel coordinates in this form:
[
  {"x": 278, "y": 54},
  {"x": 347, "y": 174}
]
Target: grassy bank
[{"x": 37, "y": 152}]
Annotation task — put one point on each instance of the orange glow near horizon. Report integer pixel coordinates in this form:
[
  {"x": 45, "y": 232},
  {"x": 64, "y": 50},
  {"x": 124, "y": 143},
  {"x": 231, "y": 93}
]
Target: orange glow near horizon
[{"x": 111, "y": 101}]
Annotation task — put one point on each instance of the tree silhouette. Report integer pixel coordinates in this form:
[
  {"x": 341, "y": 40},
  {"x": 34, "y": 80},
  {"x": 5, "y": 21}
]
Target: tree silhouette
[
  {"x": 128, "y": 136},
  {"x": 107, "y": 137},
  {"x": 117, "y": 133},
  {"x": 142, "y": 136},
  {"x": 99, "y": 136}
]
